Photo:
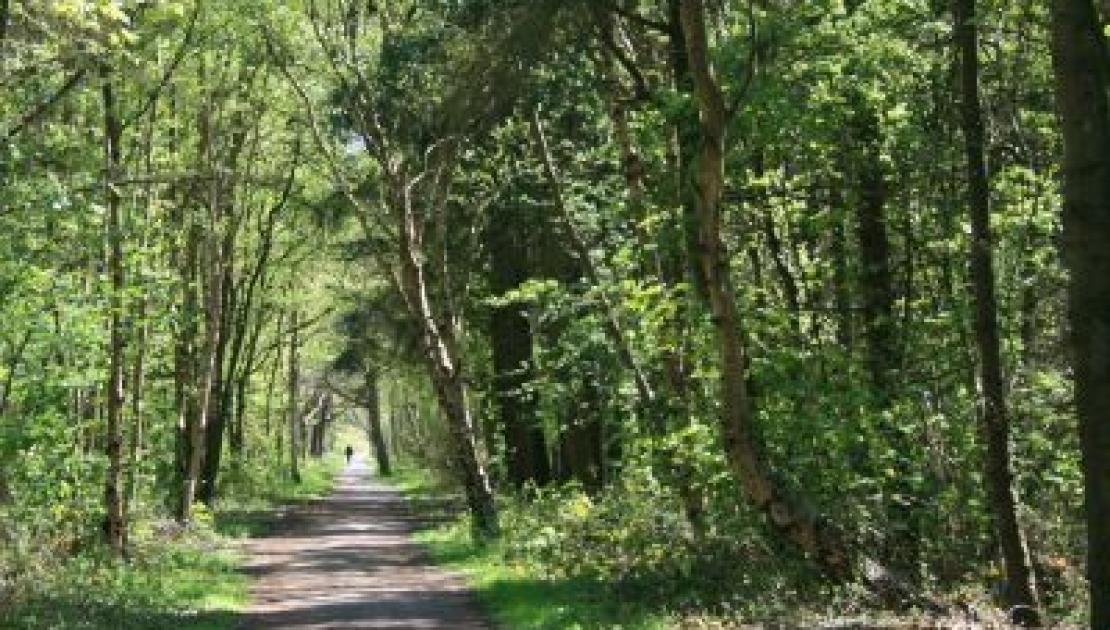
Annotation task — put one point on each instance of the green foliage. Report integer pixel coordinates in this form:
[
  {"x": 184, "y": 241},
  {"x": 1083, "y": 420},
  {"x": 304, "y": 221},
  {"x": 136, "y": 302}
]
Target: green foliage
[
  {"x": 519, "y": 592},
  {"x": 279, "y": 148},
  {"x": 174, "y": 579}
]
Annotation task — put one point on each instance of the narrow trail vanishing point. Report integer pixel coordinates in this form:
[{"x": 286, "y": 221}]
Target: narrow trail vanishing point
[{"x": 347, "y": 562}]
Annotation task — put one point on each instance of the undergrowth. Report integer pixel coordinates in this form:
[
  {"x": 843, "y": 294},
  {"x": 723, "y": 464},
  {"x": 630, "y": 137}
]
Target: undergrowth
[
  {"x": 515, "y": 593},
  {"x": 174, "y": 577},
  {"x": 627, "y": 558}
]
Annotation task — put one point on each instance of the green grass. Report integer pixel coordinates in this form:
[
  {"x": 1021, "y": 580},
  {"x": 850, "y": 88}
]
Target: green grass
[
  {"x": 516, "y": 595},
  {"x": 175, "y": 579}
]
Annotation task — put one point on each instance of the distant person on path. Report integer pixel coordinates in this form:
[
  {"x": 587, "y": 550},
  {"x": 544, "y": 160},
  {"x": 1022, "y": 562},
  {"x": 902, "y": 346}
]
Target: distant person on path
[{"x": 350, "y": 452}]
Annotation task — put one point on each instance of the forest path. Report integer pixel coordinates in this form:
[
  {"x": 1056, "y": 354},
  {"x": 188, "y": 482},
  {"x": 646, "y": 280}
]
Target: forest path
[{"x": 347, "y": 562}]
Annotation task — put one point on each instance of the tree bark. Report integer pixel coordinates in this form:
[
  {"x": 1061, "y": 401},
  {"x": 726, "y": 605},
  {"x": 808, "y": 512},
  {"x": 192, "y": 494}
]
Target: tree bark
[
  {"x": 185, "y": 360},
  {"x": 511, "y": 344},
  {"x": 1079, "y": 58},
  {"x": 876, "y": 278},
  {"x": 842, "y": 296},
  {"x": 998, "y": 473},
  {"x": 293, "y": 386},
  {"x": 207, "y": 367},
  {"x": 374, "y": 421},
  {"x": 115, "y": 524},
  {"x": 222, "y": 386},
  {"x": 441, "y": 350},
  {"x": 788, "y": 514}
]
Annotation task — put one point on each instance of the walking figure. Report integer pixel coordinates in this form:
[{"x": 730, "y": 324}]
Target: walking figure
[{"x": 350, "y": 452}]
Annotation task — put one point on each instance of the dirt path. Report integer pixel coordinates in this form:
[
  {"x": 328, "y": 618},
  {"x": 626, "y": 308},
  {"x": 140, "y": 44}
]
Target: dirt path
[{"x": 347, "y": 562}]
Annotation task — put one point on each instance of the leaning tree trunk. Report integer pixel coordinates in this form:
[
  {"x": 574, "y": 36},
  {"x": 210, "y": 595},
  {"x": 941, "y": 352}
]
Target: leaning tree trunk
[
  {"x": 1079, "y": 56},
  {"x": 788, "y": 514},
  {"x": 441, "y": 352},
  {"x": 996, "y": 422}
]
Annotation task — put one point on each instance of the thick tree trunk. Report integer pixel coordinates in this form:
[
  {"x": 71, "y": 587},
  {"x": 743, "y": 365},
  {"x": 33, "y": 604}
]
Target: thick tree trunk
[
  {"x": 788, "y": 514},
  {"x": 5, "y": 14},
  {"x": 115, "y": 525},
  {"x": 1079, "y": 56},
  {"x": 995, "y": 416},
  {"x": 479, "y": 493},
  {"x": 876, "y": 279},
  {"x": 581, "y": 438},
  {"x": 320, "y": 429},
  {"x": 511, "y": 341},
  {"x": 374, "y": 422}
]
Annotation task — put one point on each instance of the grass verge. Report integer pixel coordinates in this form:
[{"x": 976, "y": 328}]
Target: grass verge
[
  {"x": 174, "y": 579},
  {"x": 518, "y": 595}
]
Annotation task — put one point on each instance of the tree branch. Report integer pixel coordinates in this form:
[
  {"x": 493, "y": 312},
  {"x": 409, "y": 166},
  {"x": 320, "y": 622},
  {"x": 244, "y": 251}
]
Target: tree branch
[
  {"x": 178, "y": 57},
  {"x": 32, "y": 116}
]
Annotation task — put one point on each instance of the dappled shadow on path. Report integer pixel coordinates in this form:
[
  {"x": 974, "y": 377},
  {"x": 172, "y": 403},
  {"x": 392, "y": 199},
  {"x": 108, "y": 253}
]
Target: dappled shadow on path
[{"x": 347, "y": 562}]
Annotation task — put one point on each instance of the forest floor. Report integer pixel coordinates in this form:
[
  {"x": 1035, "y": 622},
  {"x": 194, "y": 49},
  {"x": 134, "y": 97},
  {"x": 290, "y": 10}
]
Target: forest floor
[{"x": 347, "y": 561}]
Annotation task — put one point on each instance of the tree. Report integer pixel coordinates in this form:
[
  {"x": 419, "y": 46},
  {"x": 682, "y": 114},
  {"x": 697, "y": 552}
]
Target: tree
[
  {"x": 1079, "y": 57},
  {"x": 115, "y": 523},
  {"x": 509, "y": 241},
  {"x": 709, "y": 254},
  {"x": 995, "y": 417}
]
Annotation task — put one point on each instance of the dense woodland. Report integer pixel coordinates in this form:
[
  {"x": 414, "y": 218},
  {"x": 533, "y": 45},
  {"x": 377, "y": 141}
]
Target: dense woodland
[{"x": 713, "y": 302}]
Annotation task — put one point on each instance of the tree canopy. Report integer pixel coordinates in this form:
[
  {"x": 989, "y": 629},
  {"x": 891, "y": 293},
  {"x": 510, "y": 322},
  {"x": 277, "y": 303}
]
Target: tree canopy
[{"x": 705, "y": 300}]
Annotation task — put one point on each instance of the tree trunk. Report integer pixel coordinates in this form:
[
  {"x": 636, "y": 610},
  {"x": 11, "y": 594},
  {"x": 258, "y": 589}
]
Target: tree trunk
[
  {"x": 138, "y": 384},
  {"x": 581, "y": 439},
  {"x": 841, "y": 290},
  {"x": 115, "y": 524},
  {"x": 208, "y": 368},
  {"x": 441, "y": 352},
  {"x": 374, "y": 420},
  {"x": 320, "y": 429},
  {"x": 876, "y": 279},
  {"x": 294, "y": 411},
  {"x": 272, "y": 380},
  {"x": 185, "y": 360},
  {"x": 222, "y": 386},
  {"x": 788, "y": 514},
  {"x": 511, "y": 341},
  {"x": 205, "y": 381},
  {"x": 995, "y": 416},
  {"x": 1079, "y": 57}
]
